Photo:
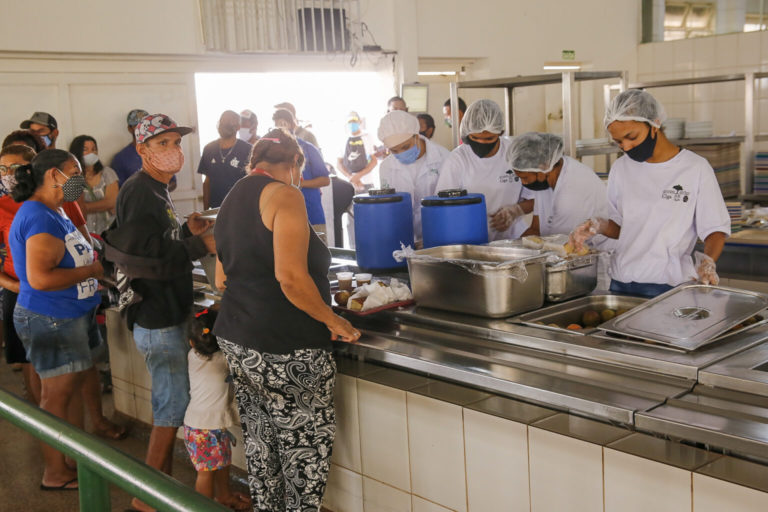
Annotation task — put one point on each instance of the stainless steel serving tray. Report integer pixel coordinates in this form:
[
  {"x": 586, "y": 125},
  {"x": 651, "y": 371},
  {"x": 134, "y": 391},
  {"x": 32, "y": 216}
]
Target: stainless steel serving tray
[
  {"x": 469, "y": 279},
  {"x": 570, "y": 312},
  {"x": 572, "y": 277},
  {"x": 688, "y": 316}
]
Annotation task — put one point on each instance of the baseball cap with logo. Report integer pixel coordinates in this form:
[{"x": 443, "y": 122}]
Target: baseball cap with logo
[
  {"x": 43, "y": 118},
  {"x": 136, "y": 115},
  {"x": 155, "y": 124}
]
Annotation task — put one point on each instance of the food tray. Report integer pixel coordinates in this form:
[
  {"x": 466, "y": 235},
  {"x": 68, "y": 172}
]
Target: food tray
[
  {"x": 572, "y": 277},
  {"x": 209, "y": 214},
  {"x": 570, "y": 312},
  {"x": 689, "y": 316},
  {"x": 391, "y": 305},
  {"x": 468, "y": 279}
]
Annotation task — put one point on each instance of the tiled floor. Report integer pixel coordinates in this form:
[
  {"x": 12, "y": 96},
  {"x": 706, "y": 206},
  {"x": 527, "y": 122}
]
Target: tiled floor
[{"x": 21, "y": 467}]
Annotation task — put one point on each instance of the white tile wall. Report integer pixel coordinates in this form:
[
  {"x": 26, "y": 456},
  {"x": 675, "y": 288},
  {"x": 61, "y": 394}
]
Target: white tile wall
[
  {"x": 344, "y": 491},
  {"x": 749, "y": 49},
  {"x": 634, "y": 484},
  {"x": 704, "y": 57},
  {"x": 436, "y": 445},
  {"x": 422, "y": 505},
  {"x": 713, "y": 495},
  {"x": 727, "y": 51},
  {"x": 125, "y": 403},
  {"x": 497, "y": 463},
  {"x": 379, "y": 497},
  {"x": 384, "y": 434},
  {"x": 566, "y": 473},
  {"x": 346, "y": 446}
]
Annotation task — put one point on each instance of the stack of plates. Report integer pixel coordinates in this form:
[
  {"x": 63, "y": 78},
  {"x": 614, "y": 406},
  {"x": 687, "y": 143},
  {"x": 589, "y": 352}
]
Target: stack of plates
[
  {"x": 590, "y": 143},
  {"x": 673, "y": 127},
  {"x": 698, "y": 129},
  {"x": 761, "y": 173}
]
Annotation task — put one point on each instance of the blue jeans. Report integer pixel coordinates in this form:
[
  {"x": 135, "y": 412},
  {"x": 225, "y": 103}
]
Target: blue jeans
[
  {"x": 165, "y": 352},
  {"x": 649, "y": 290},
  {"x": 57, "y": 346}
]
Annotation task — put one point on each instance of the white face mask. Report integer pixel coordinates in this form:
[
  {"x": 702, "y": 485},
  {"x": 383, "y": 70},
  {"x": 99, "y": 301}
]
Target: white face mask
[
  {"x": 90, "y": 159},
  {"x": 244, "y": 134},
  {"x": 296, "y": 185}
]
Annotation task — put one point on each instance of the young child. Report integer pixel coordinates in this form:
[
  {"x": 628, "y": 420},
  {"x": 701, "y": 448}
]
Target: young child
[{"x": 211, "y": 410}]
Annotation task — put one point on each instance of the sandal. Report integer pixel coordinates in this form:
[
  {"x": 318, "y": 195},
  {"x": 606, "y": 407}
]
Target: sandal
[
  {"x": 113, "y": 431},
  {"x": 62, "y": 487}
]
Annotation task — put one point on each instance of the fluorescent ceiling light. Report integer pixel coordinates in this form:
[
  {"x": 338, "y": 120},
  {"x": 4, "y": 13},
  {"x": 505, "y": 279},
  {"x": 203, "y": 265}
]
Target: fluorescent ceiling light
[
  {"x": 435, "y": 73},
  {"x": 562, "y": 66}
]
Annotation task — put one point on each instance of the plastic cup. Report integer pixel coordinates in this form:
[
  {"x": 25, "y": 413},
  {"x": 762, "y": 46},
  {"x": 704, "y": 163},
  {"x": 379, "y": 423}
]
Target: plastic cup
[
  {"x": 363, "y": 279},
  {"x": 345, "y": 280}
]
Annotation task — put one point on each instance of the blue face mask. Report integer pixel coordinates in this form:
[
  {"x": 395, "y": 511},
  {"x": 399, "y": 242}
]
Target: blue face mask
[
  {"x": 47, "y": 139},
  {"x": 409, "y": 155},
  {"x": 353, "y": 127}
]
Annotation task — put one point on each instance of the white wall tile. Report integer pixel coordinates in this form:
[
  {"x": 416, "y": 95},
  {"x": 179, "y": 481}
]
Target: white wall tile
[
  {"x": 238, "y": 450},
  {"x": 144, "y": 410},
  {"x": 634, "y": 484},
  {"x": 663, "y": 58},
  {"x": 726, "y": 51},
  {"x": 436, "y": 447},
  {"x": 704, "y": 57},
  {"x": 749, "y": 49},
  {"x": 566, "y": 473},
  {"x": 346, "y": 446},
  {"x": 713, "y": 495},
  {"x": 683, "y": 51},
  {"x": 379, "y": 497},
  {"x": 344, "y": 491},
  {"x": 497, "y": 463},
  {"x": 422, "y": 505},
  {"x": 384, "y": 434},
  {"x": 728, "y": 117},
  {"x": 761, "y": 125},
  {"x": 644, "y": 59},
  {"x": 125, "y": 402},
  {"x": 703, "y": 111}
]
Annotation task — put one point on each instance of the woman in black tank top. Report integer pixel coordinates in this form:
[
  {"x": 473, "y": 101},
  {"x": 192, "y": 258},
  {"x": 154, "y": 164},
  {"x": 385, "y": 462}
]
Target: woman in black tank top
[{"x": 275, "y": 327}]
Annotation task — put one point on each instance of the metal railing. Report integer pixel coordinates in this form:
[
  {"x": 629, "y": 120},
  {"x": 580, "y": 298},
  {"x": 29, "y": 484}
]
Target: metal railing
[{"x": 99, "y": 464}]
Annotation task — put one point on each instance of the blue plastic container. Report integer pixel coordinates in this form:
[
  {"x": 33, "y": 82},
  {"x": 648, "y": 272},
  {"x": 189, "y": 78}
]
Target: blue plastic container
[
  {"x": 383, "y": 221},
  {"x": 454, "y": 217}
]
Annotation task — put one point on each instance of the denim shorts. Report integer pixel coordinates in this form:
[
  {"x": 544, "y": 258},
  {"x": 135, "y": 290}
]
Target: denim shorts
[
  {"x": 57, "y": 346},
  {"x": 649, "y": 290},
  {"x": 165, "y": 352}
]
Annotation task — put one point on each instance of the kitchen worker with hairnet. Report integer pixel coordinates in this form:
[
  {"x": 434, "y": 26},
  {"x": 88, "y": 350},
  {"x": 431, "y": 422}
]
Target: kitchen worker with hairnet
[
  {"x": 663, "y": 198},
  {"x": 414, "y": 162},
  {"x": 480, "y": 166},
  {"x": 566, "y": 192}
]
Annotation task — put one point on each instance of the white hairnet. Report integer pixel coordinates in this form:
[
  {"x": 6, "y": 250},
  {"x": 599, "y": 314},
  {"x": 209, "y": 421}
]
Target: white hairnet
[
  {"x": 535, "y": 152},
  {"x": 482, "y": 115},
  {"x": 396, "y": 127},
  {"x": 635, "y": 105}
]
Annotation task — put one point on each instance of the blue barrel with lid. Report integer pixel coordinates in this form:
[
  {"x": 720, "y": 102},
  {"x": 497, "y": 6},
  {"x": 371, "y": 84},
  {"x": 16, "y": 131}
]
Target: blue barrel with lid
[
  {"x": 383, "y": 221},
  {"x": 454, "y": 217}
]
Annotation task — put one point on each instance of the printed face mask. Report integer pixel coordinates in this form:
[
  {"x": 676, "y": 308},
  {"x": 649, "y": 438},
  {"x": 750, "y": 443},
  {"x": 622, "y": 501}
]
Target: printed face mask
[
  {"x": 168, "y": 161},
  {"x": 73, "y": 187},
  {"x": 90, "y": 159},
  {"x": 408, "y": 156},
  {"x": 644, "y": 150}
]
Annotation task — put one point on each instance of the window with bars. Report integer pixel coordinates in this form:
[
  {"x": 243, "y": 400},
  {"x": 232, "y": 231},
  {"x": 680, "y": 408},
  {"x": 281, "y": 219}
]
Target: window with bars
[
  {"x": 273, "y": 26},
  {"x": 683, "y": 20}
]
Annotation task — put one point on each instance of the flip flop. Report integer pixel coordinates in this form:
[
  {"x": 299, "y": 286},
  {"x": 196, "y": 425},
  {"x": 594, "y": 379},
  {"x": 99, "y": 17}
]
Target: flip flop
[
  {"x": 62, "y": 487},
  {"x": 114, "y": 432}
]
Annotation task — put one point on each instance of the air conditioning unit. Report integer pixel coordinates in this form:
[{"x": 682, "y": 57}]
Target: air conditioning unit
[{"x": 323, "y": 30}]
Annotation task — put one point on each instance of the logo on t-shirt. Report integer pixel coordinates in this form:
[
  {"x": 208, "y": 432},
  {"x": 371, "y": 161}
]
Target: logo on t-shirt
[
  {"x": 676, "y": 193},
  {"x": 82, "y": 254},
  {"x": 509, "y": 177},
  {"x": 234, "y": 162}
]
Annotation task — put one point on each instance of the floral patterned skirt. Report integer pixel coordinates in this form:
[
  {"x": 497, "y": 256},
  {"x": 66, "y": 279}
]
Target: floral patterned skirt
[{"x": 209, "y": 449}]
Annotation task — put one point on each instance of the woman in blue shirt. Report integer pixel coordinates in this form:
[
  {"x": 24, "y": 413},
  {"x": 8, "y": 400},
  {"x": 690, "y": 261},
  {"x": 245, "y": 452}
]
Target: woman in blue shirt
[{"x": 58, "y": 290}]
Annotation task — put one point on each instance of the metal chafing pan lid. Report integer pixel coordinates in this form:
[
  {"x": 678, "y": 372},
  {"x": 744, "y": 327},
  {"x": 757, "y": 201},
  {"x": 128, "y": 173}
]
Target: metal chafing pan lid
[{"x": 688, "y": 316}]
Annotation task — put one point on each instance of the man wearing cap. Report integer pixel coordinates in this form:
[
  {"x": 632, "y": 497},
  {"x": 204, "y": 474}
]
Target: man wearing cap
[
  {"x": 314, "y": 176},
  {"x": 300, "y": 131},
  {"x": 414, "y": 162},
  {"x": 223, "y": 161},
  {"x": 249, "y": 123},
  {"x": 127, "y": 161},
  {"x": 359, "y": 161},
  {"x": 159, "y": 320},
  {"x": 44, "y": 126}
]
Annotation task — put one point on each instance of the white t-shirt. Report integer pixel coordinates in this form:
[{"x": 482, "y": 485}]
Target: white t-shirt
[
  {"x": 211, "y": 401},
  {"x": 578, "y": 196},
  {"x": 662, "y": 209},
  {"x": 493, "y": 177},
  {"x": 418, "y": 179}
]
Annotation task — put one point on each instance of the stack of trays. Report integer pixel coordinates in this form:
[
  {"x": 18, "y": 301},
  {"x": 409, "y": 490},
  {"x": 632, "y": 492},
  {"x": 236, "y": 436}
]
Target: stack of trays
[
  {"x": 761, "y": 173},
  {"x": 673, "y": 128},
  {"x": 735, "y": 211},
  {"x": 698, "y": 129},
  {"x": 725, "y": 160}
]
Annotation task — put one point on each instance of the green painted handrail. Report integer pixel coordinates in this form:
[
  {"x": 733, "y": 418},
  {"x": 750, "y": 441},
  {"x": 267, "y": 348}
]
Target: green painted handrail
[{"x": 98, "y": 464}]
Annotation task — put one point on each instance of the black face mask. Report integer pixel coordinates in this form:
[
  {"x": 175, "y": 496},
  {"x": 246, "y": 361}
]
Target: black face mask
[
  {"x": 481, "y": 149},
  {"x": 537, "y": 185},
  {"x": 644, "y": 150}
]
